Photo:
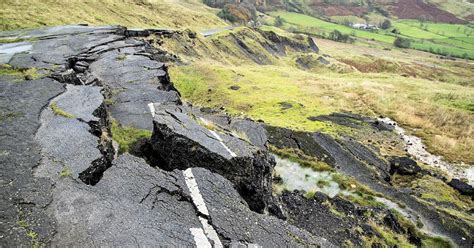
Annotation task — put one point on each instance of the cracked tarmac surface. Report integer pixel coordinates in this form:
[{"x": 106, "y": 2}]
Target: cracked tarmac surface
[{"x": 62, "y": 187}]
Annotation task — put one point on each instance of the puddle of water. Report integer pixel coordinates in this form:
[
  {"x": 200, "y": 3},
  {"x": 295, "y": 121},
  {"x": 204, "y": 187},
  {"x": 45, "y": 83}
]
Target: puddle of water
[
  {"x": 415, "y": 147},
  {"x": 296, "y": 177},
  {"x": 8, "y": 50}
]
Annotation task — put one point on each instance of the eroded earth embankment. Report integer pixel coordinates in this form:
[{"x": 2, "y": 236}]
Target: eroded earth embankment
[{"x": 202, "y": 178}]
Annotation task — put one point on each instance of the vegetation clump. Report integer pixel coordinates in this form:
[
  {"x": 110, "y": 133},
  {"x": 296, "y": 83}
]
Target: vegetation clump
[
  {"x": 402, "y": 42},
  {"x": 236, "y": 13},
  {"x": 65, "y": 172},
  {"x": 340, "y": 37},
  {"x": 127, "y": 136},
  {"x": 279, "y": 21},
  {"x": 302, "y": 159},
  {"x": 58, "y": 111},
  {"x": 25, "y": 74},
  {"x": 386, "y": 24}
]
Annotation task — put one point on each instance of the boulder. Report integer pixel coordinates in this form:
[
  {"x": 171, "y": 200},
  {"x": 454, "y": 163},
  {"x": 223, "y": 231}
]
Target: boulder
[
  {"x": 403, "y": 166},
  {"x": 463, "y": 187}
]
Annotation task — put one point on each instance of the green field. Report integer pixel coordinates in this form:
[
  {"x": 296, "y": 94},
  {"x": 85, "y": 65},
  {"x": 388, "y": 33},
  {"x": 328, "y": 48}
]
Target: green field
[
  {"x": 313, "y": 25},
  {"x": 447, "y": 39}
]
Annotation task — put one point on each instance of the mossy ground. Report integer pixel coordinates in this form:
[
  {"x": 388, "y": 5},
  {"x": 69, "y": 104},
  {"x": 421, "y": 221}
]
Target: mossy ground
[
  {"x": 127, "y": 136},
  {"x": 58, "y": 111},
  {"x": 20, "y": 74}
]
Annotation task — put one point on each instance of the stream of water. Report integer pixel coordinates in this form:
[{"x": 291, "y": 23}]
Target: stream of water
[{"x": 415, "y": 148}]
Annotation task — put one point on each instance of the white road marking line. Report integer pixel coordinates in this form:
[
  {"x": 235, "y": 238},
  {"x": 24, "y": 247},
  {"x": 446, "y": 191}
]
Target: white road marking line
[
  {"x": 211, "y": 233},
  {"x": 219, "y": 139},
  {"x": 195, "y": 194},
  {"x": 200, "y": 238},
  {"x": 151, "y": 106},
  {"x": 201, "y": 206}
]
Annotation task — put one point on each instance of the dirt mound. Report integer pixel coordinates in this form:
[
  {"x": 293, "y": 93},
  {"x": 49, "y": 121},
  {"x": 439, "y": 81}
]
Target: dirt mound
[{"x": 416, "y": 9}]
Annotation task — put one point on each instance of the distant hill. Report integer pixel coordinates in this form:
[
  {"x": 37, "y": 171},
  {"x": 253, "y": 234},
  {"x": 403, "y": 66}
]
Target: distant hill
[{"x": 448, "y": 11}]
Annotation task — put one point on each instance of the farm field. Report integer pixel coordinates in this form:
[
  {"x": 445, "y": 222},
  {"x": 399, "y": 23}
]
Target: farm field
[{"x": 440, "y": 38}]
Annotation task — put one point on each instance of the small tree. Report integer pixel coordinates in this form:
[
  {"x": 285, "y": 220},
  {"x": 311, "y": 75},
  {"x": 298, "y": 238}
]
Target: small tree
[
  {"x": 279, "y": 21},
  {"x": 402, "y": 42},
  {"x": 386, "y": 24}
]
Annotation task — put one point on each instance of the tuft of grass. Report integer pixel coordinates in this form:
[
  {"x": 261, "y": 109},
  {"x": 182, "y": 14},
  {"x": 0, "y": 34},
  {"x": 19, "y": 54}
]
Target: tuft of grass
[
  {"x": 121, "y": 57},
  {"x": 436, "y": 242},
  {"x": 309, "y": 194},
  {"x": 23, "y": 224},
  {"x": 65, "y": 172},
  {"x": 15, "y": 40},
  {"x": 127, "y": 136},
  {"x": 58, "y": 111},
  {"x": 26, "y": 74},
  {"x": 299, "y": 157}
]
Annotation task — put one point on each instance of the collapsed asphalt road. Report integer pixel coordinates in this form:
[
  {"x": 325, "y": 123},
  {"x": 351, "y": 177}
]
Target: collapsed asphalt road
[
  {"x": 201, "y": 179},
  {"x": 63, "y": 183}
]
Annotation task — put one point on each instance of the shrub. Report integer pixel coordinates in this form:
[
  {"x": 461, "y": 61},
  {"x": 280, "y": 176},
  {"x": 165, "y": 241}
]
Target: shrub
[
  {"x": 235, "y": 13},
  {"x": 279, "y": 21},
  {"x": 386, "y": 24},
  {"x": 340, "y": 37},
  {"x": 402, "y": 42}
]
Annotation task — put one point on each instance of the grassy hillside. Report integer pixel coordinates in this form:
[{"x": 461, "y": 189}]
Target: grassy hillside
[
  {"x": 133, "y": 13},
  {"x": 434, "y": 97},
  {"x": 446, "y": 39}
]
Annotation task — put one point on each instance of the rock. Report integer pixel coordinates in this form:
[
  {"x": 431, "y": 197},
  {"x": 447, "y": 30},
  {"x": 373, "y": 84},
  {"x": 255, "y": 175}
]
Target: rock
[
  {"x": 285, "y": 105},
  {"x": 234, "y": 87},
  {"x": 463, "y": 187},
  {"x": 343, "y": 119},
  {"x": 323, "y": 61},
  {"x": 382, "y": 126},
  {"x": 178, "y": 131},
  {"x": 391, "y": 221},
  {"x": 403, "y": 166}
]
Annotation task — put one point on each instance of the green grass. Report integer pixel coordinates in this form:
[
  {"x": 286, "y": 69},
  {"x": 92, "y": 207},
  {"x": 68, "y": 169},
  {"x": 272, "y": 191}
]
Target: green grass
[
  {"x": 313, "y": 25},
  {"x": 439, "y": 111},
  {"x": 65, "y": 172},
  {"x": 132, "y": 13},
  {"x": 127, "y": 136},
  {"x": 436, "y": 242},
  {"x": 58, "y": 111},
  {"x": 440, "y": 38},
  {"x": 436, "y": 190},
  {"x": 20, "y": 74}
]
